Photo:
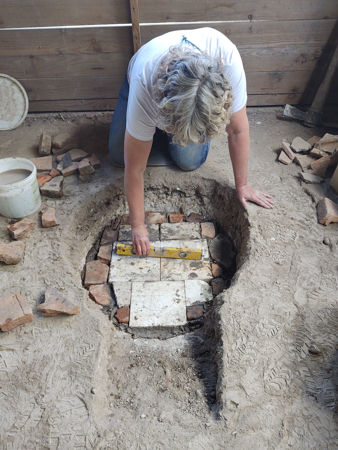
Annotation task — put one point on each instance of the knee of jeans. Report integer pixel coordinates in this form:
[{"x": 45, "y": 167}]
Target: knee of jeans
[{"x": 186, "y": 166}]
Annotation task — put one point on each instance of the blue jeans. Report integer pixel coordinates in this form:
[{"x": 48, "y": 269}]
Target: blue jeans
[{"x": 163, "y": 151}]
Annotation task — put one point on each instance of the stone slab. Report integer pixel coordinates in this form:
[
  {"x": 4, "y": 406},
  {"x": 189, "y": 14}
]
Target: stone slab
[
  {"x": 134, "y": 268},
  {"x": 122, "y": 291},
  {"x": 197, "y": 291},
  {"x": 157, "y": 304},
  {"x": 184, "y": 230},
  {"x": 179, "y": 269}
]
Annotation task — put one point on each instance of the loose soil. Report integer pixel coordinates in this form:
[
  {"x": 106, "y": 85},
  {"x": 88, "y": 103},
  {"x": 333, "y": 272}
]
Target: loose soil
[{"x": 259, "y": 374}]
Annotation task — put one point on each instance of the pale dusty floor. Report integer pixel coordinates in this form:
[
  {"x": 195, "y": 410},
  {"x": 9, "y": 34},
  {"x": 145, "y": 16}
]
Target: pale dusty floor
[{"x": 79, "y": 382}]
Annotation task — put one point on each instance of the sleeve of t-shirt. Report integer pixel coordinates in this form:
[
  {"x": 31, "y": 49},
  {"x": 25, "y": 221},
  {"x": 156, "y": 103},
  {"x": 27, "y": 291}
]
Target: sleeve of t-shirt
[
  {"x": 236, "y": 76},
  {"x": 139, "y": 123}
]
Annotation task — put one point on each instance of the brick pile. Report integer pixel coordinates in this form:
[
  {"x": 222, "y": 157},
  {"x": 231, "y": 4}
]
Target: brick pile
[{"x": 318, "y": 160}]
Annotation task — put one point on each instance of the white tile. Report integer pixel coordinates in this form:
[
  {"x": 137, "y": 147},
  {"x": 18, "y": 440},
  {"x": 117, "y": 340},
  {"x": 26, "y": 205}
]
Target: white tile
[
  {"x": 197, "y": 291},
  {"x": 134, "y": 268},
  {"x": 181, "y": 269},
  {"x": 157, "y": 304},
  {"x": 183, "y": 230},
  {"x": 122, "y": 290}
]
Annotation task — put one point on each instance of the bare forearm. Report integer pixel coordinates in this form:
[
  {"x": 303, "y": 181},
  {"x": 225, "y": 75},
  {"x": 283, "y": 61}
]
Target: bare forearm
[
  {"x": 239, "y": 147},
  {"x": 134, "y": 189}
]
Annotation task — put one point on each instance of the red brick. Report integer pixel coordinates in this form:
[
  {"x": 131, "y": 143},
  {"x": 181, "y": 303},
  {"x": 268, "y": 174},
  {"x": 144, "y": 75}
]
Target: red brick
[
  {"x": 54, "y": 173},
  {"x": 14, "y": 311},
  {"x": 70, "y": 170},
  {"x": 53, "y": 188},
  {"x": 42, "y": 179},
  {"x": 63, "y": 142},
  {"x": 216, "y": 270},
  {"x": 154, "y": 218},
  {"x": 56, "y": 304},
  {"x": 48, "y": 218},
  {"x": 85, "y": 168},
  {"x": 94, "y": 161},
  {"x": 76, "y": 154},
  {"x": 43, "y": 164},
  {"x": 45, "y": 145},
  {"x": 195, "y": 312},
  {"x": 12, "y": 253},
  {"x": 194, "y": 217},
  {"x": 21, "y": 229},
  {"x": 122, "y": 314},
  {"x": 327, "y": 211},
  {"x": 176, "y": 218},
  {"x": 287, "y": 150},
  {"x": 96, "y": 273},
  {"x": 109, "y": 236},
  {"x": 283, "y": 158},
  {"x": 217, "y": 285},
  {"x": 104, "y": 254},
  {"x": 321, "y": 165},
  {"x": 208, "y": 230},
  {"x": 100, "y": 293},
  {"x": 313, "y": 140}
]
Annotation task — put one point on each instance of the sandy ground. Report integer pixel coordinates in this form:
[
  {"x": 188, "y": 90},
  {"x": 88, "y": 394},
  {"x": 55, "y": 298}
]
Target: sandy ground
[{"x": 245, "y": 380}]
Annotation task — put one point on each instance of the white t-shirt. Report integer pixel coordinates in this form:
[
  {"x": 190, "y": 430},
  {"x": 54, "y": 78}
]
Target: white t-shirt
[{"x": 142, "y": 112}]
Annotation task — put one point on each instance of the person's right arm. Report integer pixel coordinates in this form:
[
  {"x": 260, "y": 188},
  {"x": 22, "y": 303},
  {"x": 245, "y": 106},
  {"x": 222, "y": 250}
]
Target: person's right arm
[{"x": 136, "y": 155}]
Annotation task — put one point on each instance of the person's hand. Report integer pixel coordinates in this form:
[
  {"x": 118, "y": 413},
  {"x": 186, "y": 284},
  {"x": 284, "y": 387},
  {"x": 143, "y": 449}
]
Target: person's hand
[
  {"x": 140, "y": 240},
  {"x": 248, "y": 194}
]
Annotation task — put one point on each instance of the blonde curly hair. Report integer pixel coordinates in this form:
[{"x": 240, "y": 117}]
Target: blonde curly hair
[{"x": 192, "y": 94}]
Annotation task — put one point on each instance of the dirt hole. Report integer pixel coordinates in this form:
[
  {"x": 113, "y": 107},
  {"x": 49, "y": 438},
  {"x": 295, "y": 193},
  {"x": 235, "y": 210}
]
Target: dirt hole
[{"x": 173, "y": 361}]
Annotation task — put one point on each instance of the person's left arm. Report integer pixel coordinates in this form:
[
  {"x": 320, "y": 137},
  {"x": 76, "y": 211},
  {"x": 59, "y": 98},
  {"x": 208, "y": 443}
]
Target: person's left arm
[{"x": 239, "y": 147}]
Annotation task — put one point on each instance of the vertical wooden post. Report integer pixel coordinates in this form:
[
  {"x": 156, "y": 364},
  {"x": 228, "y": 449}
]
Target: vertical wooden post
[{"x": 135, "y": 21}]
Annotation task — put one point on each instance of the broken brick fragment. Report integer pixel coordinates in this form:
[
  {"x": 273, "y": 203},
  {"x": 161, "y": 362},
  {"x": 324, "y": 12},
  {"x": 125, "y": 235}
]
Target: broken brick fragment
[
  {"x": 45, "y": 145},
  {"x": 12, "y": 253},
  {"x": 327, "y": 211},
  {"x": 316, "y": 153},
  {"x": 176, "y": 218},
  {"x": 109, "y": 236},
  {"x": 122, "y": 314},
  {"x": 96, "y": 273},
  {"x": 287, "y": 149},
  {"x": 76, "y": 154},
  {"x": 21, "y": 229},
  {"x": 100, "y": 293},
  {"x": 56, "y": 304},
  {"x": 194, "y": 217},
  {"x": 321, "y": 165},
  {"x": 53, "y": 188},
  {"x": 217, "y": 285},
  {"x": 313, "y": 140},
  {"x": 334, "y": 181},
  {"x": 300, "y": 145},
  {"x": 14, "y": 311},
  {"x": 216, "y": 270},
  {"x": 54, "y": 173},
  {"x": 43, "y": 164},
  {"x": 195, "y": 312},
  {"x": 309, "y": 178},
  {"x": 63, "y": 142},
  {"x": 154, "y": 218},
  {"x": 94, "y": 161},
  {"x": 43, "y": 179},
  {"x": 208, "y": 230},
  {"x": 283, "y": 158},
  {"x": 70, "y": 170},
  {"x": 48, "y": 218},
  {"x": 85, "y": 168},
  {"x": 104, "y": 254}
]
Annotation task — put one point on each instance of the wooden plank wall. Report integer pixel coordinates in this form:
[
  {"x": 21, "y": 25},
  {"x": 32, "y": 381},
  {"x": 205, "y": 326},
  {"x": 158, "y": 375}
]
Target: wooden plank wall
[{"x": 72, "y": 55}]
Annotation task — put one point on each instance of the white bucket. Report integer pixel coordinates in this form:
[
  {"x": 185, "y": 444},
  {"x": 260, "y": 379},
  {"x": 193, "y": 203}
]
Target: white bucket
[{"x": 18, "y": 198}]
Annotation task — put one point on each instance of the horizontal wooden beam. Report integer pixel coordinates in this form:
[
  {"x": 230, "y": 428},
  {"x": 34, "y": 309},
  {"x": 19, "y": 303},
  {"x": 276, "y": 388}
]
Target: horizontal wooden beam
[
  {"x": 109, "y": 104},
  {"x": 40, "y": 13},
  {"x": 115, "y": 40}
]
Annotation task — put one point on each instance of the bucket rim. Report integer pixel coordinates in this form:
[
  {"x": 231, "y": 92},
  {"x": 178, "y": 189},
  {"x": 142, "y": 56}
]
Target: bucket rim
[{"x": 6, "y": 187}]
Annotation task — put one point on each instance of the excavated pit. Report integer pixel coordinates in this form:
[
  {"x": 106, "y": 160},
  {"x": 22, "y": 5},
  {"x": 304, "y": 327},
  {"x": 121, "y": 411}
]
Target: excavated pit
[{"x": 187, "y": 356}]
